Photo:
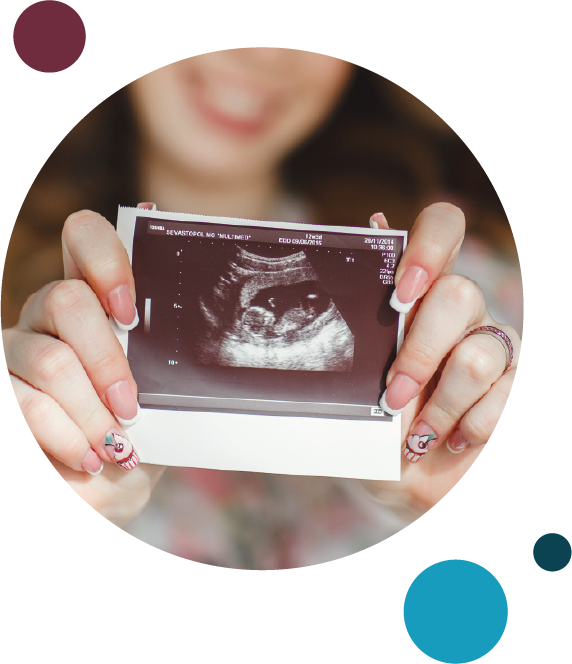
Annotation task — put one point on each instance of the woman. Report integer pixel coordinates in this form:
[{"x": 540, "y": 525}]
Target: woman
[{"x": 253, "y": 133}]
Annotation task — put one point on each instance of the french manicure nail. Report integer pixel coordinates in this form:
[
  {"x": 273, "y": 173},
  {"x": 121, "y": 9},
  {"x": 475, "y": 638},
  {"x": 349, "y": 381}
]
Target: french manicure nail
[
  {"x": 147, "y": 206},
  {"x": 457, "y": 443},
  {"x": 123, "y": 308},
  {"x": 411, "y": 284},
  {"x": 399, "y": 393},
  {"x": 409, "y": 288},
  {"x": 121, "y": 450},
  {"x": 123, "y": 403},
  {"x": 378, "y": 220},
  {"x": 92, "y": 464},
  {"x": 419, "y": 442}
]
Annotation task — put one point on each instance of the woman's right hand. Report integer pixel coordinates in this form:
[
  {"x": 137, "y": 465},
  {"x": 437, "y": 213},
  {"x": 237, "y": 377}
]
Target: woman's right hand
[{"x": 71, "y": 376}]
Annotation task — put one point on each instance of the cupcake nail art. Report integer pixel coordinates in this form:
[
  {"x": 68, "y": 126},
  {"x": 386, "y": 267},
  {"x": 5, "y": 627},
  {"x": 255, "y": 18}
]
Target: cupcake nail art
[
  {"x": 419, "y": 442},
  {"x": 122, "y": 451}
]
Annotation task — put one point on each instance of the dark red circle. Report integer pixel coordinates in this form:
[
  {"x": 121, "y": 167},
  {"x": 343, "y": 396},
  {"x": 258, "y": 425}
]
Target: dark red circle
[{"x": 49, "y": 36}]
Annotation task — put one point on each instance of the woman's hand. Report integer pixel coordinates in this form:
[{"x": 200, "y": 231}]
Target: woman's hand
[
  {"x": 450, "y": 388},
  {"x": 71, "y": 376}
]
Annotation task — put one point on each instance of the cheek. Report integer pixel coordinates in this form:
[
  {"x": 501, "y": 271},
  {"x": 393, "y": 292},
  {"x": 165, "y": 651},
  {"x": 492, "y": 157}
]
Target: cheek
[
  {"x": 158, "y": 108},
  {"x": 170, "y": 128},
  {"x": 327, "y": 79},
  {"x": 320, "y": 85},
  {"x": 324, "y": 78}
]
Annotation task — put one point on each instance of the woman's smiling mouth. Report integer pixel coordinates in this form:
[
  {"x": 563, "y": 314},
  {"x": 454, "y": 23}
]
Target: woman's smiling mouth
[{"x": 231, "y": 104}]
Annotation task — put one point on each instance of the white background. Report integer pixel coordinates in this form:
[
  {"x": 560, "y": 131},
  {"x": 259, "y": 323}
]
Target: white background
[{"x": 77, "y": 589}]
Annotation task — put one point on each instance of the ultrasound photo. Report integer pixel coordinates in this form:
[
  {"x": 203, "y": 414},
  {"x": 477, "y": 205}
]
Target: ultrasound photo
[
  {"x": 273, "y": 313},
  {"x": 263, "y": 346},
  {"x": 242, "y": 316}
]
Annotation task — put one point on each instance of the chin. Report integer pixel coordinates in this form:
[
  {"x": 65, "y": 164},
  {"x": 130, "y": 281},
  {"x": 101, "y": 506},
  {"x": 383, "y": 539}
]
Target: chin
[{"x": 208, "y": 156}]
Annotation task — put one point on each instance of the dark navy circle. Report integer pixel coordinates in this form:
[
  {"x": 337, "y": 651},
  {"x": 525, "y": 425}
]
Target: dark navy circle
[
  {"x": 552, "y": 552},
  {"x": 455, "y": 611}
]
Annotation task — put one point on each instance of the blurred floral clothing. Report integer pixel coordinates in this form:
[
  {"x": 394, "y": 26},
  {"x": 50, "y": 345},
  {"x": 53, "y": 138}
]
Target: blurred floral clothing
[{"x": 259, "y": 520}]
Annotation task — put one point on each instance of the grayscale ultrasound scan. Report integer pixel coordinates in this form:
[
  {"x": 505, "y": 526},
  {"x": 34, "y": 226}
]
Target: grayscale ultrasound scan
[
  {"x": 263, "y": 318},
  {"x": 273, "y": 313}
]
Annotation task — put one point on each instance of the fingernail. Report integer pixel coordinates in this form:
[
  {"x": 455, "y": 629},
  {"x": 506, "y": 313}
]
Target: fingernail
[
  {"x": 399, "y": 393},
  {"x": 419, "y": 442},
  {"x": 123, "y": 308},
  {"x": 123, "y": 403},
  {"x": 457, "y": 443},
  {"x": 147, "y": 206},
  {"x": 378, "y": 220},
  {"x": 408, "y": 289},
  {"x": 121, "y": 450},
  {"x": 92, "y": 464}
]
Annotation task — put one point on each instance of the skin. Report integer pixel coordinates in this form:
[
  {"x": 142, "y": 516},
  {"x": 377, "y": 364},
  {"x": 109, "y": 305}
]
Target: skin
[
  {"x": 63, "y": 355},
  {"x": 462, "y": 384},
  {"x": 202, "y": 154}
]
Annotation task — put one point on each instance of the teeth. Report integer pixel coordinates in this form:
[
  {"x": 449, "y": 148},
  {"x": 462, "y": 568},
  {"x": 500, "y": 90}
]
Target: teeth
[{"x": 236, "y": 102}]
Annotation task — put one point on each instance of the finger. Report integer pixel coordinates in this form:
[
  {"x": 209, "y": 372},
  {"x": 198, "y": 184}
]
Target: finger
[
  {"x": 474, "y": 365},
  {"x": 52, "y": 367},
  {"x": 56, "y": 434},
  {"x": 477, "y": 425},
  {"x": 378, "y": 220},
  {"x": 71, "y": 311},
  {"x": 93, "y": 251},
  {"x": 454, "y": 304},
  {"x": 433, "y": 246}
]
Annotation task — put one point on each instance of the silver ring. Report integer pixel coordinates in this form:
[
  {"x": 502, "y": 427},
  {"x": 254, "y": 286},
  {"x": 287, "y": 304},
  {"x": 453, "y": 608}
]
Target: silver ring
[{"x": 501, "y": 336}]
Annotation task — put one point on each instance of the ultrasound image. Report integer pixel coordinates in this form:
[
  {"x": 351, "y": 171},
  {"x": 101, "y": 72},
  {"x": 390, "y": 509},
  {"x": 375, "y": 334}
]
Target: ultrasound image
[
  {"x": 273, "y": 313},
  {"x": 243, "y": 317}
]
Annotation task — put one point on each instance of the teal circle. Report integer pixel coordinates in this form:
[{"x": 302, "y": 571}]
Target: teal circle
[
  {"x": 455, "y": 611},
  {"x": 552, "y": 552}
]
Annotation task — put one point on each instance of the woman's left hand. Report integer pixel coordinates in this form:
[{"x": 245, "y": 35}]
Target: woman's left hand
[{"x": 452, "y": 387}]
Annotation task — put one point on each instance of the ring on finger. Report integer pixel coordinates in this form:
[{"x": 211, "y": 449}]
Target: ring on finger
[
  {"x": 501, "y": 336},
  {"x": 452, "y": 389}
]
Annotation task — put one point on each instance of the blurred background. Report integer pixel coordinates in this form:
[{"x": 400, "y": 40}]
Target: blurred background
[{"x": 266, "y": 134}]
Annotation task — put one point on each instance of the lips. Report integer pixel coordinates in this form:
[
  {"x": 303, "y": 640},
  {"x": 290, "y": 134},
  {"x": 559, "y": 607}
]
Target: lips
[{"x": 231, "y": 104}]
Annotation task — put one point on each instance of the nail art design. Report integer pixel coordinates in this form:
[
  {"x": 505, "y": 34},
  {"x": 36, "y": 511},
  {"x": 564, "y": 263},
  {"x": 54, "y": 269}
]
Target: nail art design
[
  {"x": 417, "y": 446},
  {"x": 124, "y": 454}
]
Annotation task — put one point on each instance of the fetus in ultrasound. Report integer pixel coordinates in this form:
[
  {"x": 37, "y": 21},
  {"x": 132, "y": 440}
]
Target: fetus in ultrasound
[{"x": 272, "y": 313}]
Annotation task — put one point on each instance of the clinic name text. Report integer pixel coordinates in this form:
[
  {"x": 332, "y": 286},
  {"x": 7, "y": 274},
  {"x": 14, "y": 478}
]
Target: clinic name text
[{"x": 219, "y": 236}]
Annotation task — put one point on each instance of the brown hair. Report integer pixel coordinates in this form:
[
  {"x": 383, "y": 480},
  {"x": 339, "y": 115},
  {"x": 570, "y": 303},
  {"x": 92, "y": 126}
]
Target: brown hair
[{"x": 381, "y": 150}]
